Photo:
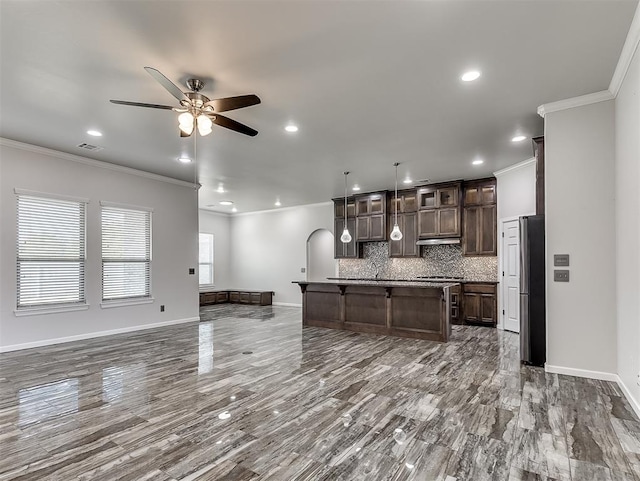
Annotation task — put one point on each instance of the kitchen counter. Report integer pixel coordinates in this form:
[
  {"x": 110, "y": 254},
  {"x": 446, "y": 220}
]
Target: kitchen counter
[
  {"x": 414, "y": 280},
  {"x": 416, "y": 309}
]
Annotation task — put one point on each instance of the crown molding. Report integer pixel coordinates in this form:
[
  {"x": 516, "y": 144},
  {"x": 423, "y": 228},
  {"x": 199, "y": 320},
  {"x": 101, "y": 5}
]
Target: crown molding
[
  {"x": 517, "y": 166},
  {"x": 626, "y": 56},
  {"x": 93, "y": 163},
  {"x": 280, "y": 209},
  {"x": 573, "y": 102}
]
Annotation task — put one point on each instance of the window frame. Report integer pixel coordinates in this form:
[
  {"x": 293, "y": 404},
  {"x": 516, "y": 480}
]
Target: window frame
[
  {"x": 131, "y": 300},
  {"x": 53, "y": 307},
  {"x": 212, "y": 263}
]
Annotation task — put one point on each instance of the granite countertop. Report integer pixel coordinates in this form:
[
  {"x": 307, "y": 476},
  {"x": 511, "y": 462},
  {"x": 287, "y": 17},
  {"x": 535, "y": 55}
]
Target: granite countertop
[
  {"x": 380, "y": 282},
  {"x": 461, "y": 281}
]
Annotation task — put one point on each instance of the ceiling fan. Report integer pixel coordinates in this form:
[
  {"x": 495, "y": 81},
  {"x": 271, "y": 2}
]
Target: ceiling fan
[{"x": 197, "y": 110}]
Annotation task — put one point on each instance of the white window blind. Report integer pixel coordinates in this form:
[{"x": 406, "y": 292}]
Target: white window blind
[
  {"x": 126, "y": 253},
  {"x": 205, "y": 270},
  {"x": 51, "y": 252}
]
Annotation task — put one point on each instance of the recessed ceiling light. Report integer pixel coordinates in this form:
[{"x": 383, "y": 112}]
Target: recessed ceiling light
[
  {"x": 518, "y": 138},
  {"x": 278, "y": 203},
  {"x": 407, "y": 181},
  {"x": 470, "y": 76},
  {"x": 355, "y": 188},
  {"x": 234, "y": 210},
  {"x": 95, "y": 133},
  {"x": 477, "y": 162},
  {"x": 221, "y": 188},
  {"x": 291, "y": 128},
  {"x": 226, "y": 202},
  {"x": 185, "y": 160}
]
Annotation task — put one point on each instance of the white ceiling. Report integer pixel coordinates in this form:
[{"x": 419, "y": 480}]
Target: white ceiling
[{"x": 368, "y": 83}]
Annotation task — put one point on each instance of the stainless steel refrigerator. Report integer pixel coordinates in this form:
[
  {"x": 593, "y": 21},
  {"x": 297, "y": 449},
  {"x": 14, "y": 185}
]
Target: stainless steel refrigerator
[{"x": 533, "y": 348}]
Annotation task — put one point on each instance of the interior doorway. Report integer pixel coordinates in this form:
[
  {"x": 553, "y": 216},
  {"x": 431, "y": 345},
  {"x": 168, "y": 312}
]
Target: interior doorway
[
  {"x": 510, "y": 281},
  {"x": 320, "y": 257}
]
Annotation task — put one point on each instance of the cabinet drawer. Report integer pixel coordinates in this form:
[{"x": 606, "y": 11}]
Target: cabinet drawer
[{"x": 480, "y": 288}]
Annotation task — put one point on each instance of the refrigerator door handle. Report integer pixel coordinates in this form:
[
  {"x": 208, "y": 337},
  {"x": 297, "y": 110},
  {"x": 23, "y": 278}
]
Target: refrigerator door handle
[{"x": 524, "y": 256}]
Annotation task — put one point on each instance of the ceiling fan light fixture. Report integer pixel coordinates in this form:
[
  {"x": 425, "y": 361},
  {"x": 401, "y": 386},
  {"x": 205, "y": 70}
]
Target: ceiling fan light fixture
[
  {"x": 185, "y": 122},
  {"x": 204, "y": 124}
]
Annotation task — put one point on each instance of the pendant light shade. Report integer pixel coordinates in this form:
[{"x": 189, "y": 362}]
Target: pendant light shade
[
  {"x": 396, "y": 235},
  {"x": 186, "y": 122},
  {"x": 204, "y": 124},
  {"x": 345, "y": 238}
]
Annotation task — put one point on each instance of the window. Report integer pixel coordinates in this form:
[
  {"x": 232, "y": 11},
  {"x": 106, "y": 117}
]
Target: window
[
  {"x": 206, "y": 259},
  {"x": 126, "y": 253},
  {"x": 50, "y": 251}
]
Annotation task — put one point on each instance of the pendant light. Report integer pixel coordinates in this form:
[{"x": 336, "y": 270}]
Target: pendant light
[
  {"x": 396, "y": 235},
  {"x": 345, "y": 237}
]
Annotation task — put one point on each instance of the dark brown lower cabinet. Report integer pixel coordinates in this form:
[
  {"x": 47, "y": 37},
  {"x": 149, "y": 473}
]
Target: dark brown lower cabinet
[
  {"x": 456, "y": 303},
  {"x": 480, "y": 304}
]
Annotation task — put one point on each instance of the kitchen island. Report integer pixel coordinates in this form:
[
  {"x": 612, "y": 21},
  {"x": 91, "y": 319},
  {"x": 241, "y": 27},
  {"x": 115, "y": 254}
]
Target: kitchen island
[{"x": 415, "y": 309}]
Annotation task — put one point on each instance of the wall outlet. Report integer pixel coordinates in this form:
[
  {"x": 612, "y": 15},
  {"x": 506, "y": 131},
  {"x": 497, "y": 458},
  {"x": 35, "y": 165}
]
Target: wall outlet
[
  {"x": 192, "y": 271},
  {"x": 303, "y": 269},
  {"x": 560, "y": 275},
  {"x": 161, "y": 307}
]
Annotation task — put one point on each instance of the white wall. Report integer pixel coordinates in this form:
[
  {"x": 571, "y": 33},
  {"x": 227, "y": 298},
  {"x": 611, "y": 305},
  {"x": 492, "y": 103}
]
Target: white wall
[
  {"x": 270, "y": 248},
  {"x": 220, "y": 226},
  {"x": 517, "y": 190},
  {"x": 580, "y": 221},
  {"x": 174, "y": 238},
  {"x": 627, "y": 207},
  {"x": 321, "y": 262}
]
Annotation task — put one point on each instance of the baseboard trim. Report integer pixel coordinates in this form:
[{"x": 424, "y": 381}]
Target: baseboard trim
[
  {"x": 286, "y": 304},
  {"x": 635, "y": 403},
  {"x": 569, "y": 371},
  {"x": 91, "y": 335}
]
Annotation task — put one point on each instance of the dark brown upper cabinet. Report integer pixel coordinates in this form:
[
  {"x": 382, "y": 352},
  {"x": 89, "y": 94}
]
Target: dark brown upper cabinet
[
  {"x": 405, "y": 247},
  {"x": 351, "y": 249},
  {"x": 480, "y": 226},
  {"x": 439, "y": 210},
  {"x": 371, "y": 213}
]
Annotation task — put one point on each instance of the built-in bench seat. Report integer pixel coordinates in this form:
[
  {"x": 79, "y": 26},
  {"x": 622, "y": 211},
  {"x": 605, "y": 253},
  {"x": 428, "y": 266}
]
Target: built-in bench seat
[{"x": 260, "y": 298}]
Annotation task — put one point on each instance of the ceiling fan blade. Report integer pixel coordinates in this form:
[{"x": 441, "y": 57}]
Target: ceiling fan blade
[
  {"x": 139, "y": 104},
  {"x": 172, "y": 88},
  {"x": 228, "y": 123},
  {"x": 233, "y": 103}
]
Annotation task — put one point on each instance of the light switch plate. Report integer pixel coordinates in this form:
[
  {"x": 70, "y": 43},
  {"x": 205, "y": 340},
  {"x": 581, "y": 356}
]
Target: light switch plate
[
  {"x": 560, "y": 275},
  {"x": 303, "y": 270},
  {"x": 561, "y": 260}
]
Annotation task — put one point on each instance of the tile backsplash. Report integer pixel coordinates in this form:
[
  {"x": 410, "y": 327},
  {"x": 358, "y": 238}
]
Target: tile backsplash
[{"x": 439, "y": 260}]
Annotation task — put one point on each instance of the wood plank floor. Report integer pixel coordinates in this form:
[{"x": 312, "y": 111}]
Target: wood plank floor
[{"x": 248, "y": 394}]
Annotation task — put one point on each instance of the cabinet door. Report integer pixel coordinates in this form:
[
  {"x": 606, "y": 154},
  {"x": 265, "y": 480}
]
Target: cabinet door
[
  {"x": 340, "y": 248},
  {"x": 487, "y": 227},
  {"x": 351, "y": 249},
  {"x": 376, "y": 203},
  {"x": 377, "y": 227},
  {"x": 363, "y": 206},
  {"x": 410, "y": 202},
  {"x": 338, "y": 211},
  {"x": 472, "y": 195},
  {"x": 363, "y": 228},
  {"x": 471, "y": 307},
  {"x": 448, "y": 222},
  {"x": 427, "y": 223},
  {"x": 488, "y": 194},
  {"x": 488, "y": 308},
  {"x": 470, "y": 240},
  {"x": 427, "y": 198},
  {"x": 410, "y": 235},
  {"x": 448, "y": 197},
  {"x": 396, "y": 248}
]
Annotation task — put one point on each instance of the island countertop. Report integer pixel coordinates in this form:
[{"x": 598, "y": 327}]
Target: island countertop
[
  {"x": 417, "y": 309},
  {"x": 380, "y": 283}
]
